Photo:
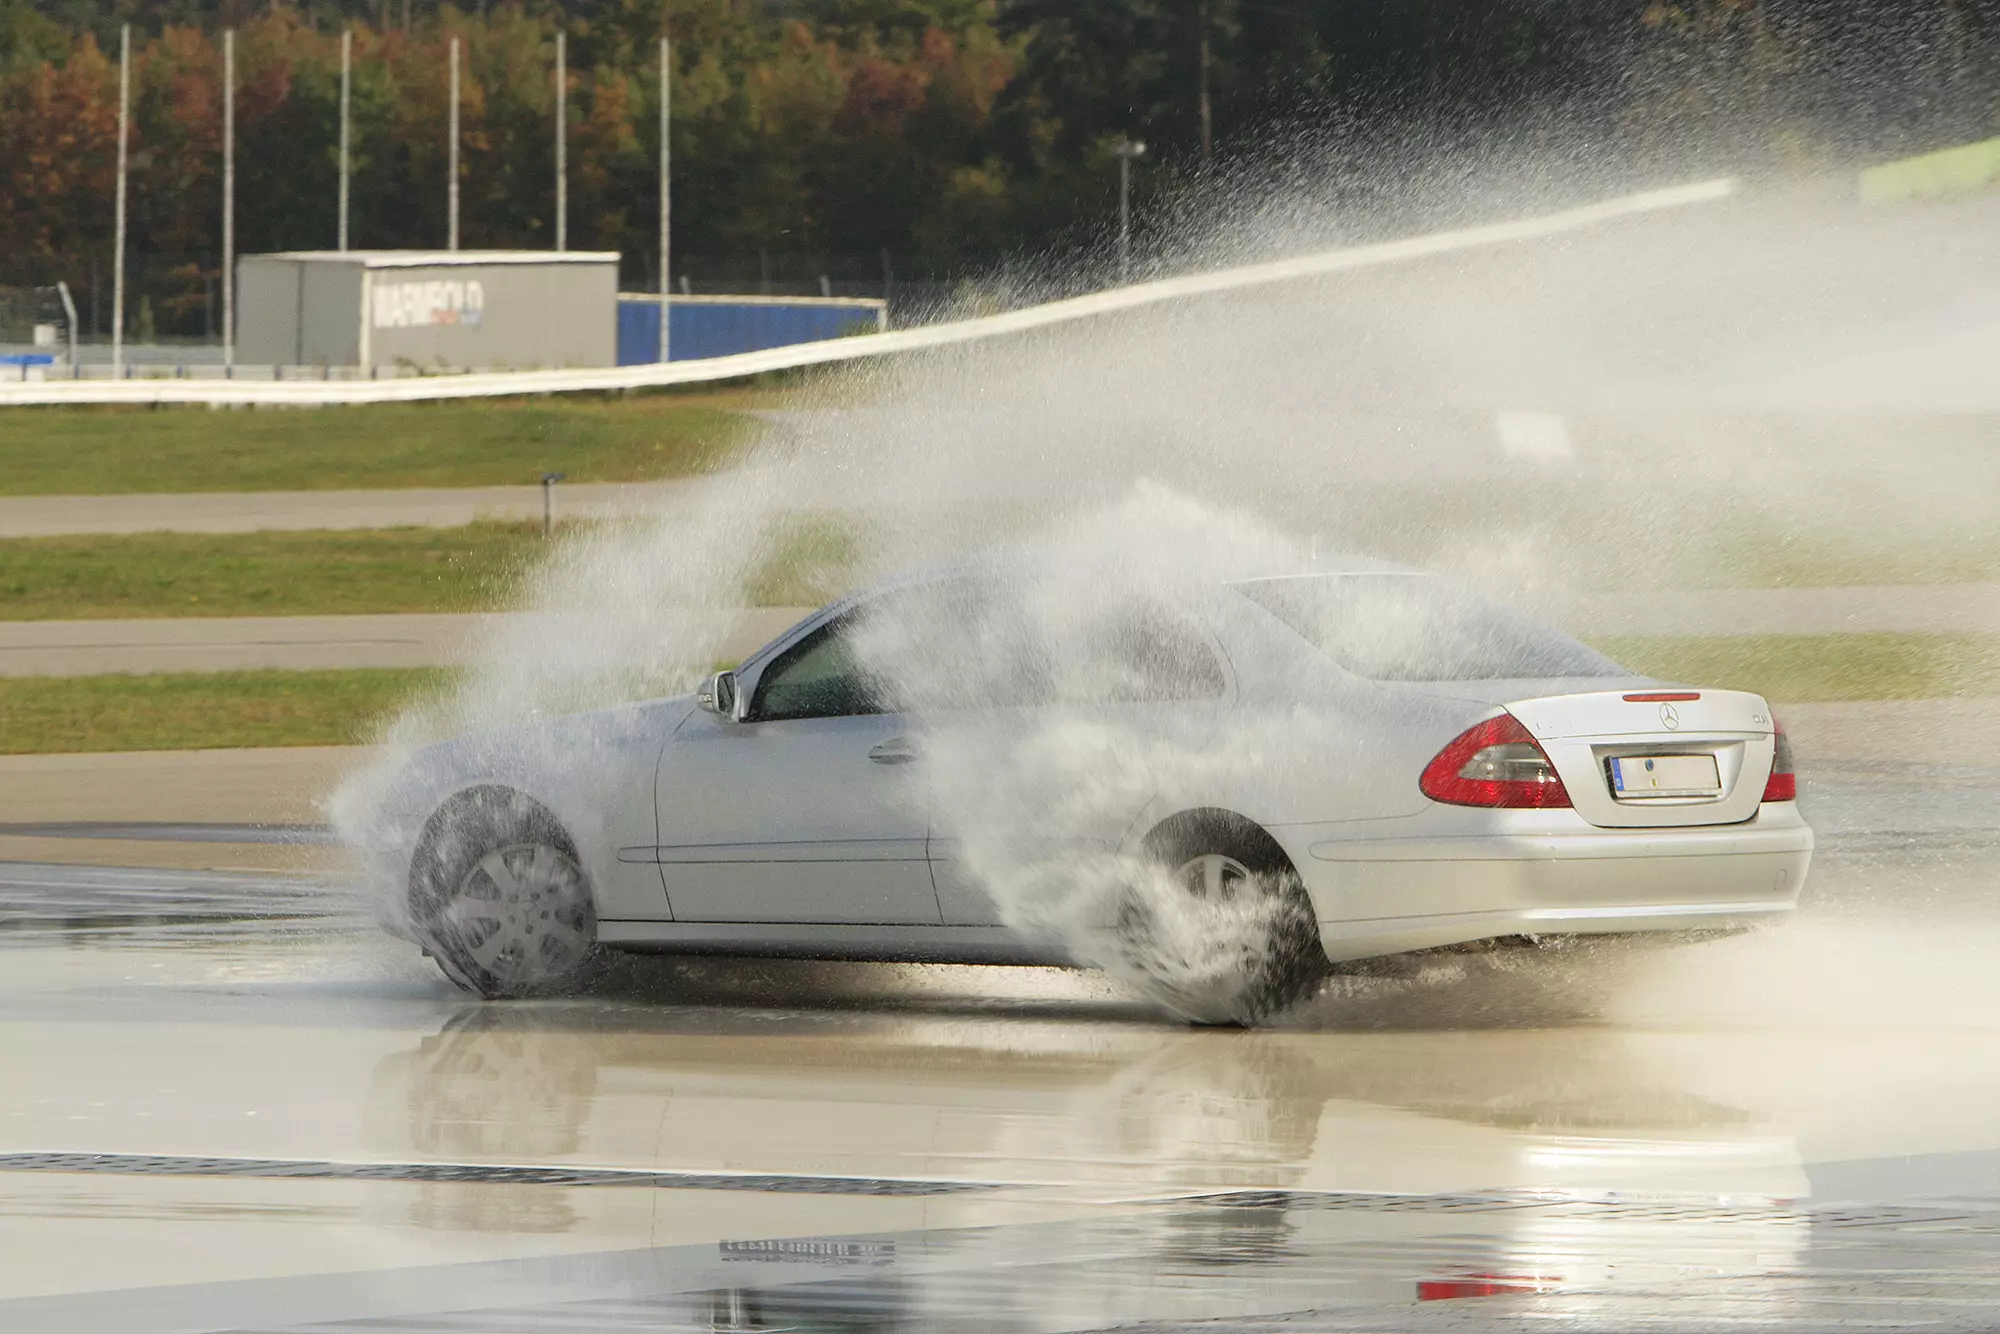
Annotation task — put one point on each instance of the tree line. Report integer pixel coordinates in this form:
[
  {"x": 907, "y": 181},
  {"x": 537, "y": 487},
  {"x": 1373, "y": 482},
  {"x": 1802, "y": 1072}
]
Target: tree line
[{"x": 885, "y": 140}]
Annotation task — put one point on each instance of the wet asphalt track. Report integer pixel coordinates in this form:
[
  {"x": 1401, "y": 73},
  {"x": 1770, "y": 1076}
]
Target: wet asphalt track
[{"x": 228, "y": 1104}]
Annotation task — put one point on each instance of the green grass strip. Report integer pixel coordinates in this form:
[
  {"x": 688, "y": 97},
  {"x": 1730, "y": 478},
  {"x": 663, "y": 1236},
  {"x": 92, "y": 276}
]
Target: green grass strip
[
  {"x": 203, "y": 710},
  {"x": 102, "y": 450},
  {"x": 347, "y": 572},
  {"x": 265, "y": 574},
  {"x": 1812, "y": 668}
]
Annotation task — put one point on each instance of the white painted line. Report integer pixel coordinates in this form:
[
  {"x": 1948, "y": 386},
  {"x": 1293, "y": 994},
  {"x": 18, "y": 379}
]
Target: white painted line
[{"x": 304, "y": 393}]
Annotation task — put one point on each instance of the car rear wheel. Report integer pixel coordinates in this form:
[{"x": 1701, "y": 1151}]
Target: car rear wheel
[
  {"x": 501, "y": 900},
  {"x": 1220, "y": 929}
]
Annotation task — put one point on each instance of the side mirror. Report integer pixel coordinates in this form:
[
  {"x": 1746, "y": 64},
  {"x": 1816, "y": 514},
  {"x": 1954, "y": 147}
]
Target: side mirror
[{"x": 718, "y": 694}]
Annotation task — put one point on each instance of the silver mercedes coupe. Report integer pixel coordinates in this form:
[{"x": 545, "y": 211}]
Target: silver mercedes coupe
[{"x": 1376, "y": 759}]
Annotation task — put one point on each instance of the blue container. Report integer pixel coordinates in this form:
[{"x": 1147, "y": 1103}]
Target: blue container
[{"x": 719, "y": 326}]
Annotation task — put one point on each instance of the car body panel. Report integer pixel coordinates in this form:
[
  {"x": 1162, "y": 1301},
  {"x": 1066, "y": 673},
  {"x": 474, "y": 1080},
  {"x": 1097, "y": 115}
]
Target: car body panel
[
  {"x": 963, "y": 898},
  {"x": 840, "y": 940},
  {"x": 793, "y": 821},
  {"x": 1365, "y": 882},
  {"x": 593, "y": 771}
]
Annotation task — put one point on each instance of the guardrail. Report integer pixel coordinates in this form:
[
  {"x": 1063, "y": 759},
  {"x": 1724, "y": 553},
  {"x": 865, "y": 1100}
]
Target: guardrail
[{"x": 305, "y": 393}]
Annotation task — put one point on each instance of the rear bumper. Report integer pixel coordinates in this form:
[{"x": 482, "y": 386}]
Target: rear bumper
[{"x": 1552, "y": 874}]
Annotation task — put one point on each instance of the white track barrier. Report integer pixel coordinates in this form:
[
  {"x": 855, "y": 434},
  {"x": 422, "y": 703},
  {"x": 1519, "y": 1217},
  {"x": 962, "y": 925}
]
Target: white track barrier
[{"x": 312, "y": 393}]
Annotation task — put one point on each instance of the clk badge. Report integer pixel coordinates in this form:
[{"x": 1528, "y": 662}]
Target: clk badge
[{"x": 1670, "y": 717}]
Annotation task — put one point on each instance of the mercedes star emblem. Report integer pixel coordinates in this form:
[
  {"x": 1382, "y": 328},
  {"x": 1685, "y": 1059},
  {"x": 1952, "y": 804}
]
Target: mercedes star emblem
[{"x": 1670, "y": 717}]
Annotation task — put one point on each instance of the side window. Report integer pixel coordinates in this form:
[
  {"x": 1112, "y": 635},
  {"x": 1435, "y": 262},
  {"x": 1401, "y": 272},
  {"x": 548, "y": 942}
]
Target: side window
[
  {"x": 1140, "y": 654},
  {"x": 963, "y": 643},
  {"x": 818, "y": 677},
  {"x": 962, "y": 646}
]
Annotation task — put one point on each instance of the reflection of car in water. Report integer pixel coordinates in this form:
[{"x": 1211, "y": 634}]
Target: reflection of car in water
[
  {"x": 1032, "y": 1100},
  {"x": 1431, "y": 769},
  {"x": 1294, "y": 1143}
]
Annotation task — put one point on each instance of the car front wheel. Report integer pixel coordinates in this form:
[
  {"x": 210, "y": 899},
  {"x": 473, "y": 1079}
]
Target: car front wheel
[{"x": 501, "y": 901}]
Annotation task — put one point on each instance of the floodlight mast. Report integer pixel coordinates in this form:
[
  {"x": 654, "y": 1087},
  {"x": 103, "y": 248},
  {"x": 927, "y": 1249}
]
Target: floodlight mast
[
  {"x": 1207, "y": 109},
  {"x": 667, "y": 193},
  {"x": 452, "y": 167},
  {"x": 118, "y": 244},
  {"x": 346, "y": 97},
  {"x": 229, "y": 201},
  {"x": 562, "y": 140}
]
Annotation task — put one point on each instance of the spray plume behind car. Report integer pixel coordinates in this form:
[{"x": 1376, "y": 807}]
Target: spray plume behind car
[{"x": 1322, "y": 409}]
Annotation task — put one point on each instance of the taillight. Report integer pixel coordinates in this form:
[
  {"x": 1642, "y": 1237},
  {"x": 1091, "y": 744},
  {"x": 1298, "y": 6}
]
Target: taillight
[
  {"x": 1783, "y": 784},
  {"x": 1494, "y": 763}
]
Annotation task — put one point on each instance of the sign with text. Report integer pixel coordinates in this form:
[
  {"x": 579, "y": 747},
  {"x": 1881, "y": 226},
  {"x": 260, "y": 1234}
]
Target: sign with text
[{"x": 405, "y": 305}]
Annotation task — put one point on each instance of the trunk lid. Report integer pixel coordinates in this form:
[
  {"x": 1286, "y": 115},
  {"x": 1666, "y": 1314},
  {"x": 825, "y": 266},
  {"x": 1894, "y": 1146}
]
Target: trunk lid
[
  {"x": 1584, "y": 726},
  {"x": 1649, "y": 756}
]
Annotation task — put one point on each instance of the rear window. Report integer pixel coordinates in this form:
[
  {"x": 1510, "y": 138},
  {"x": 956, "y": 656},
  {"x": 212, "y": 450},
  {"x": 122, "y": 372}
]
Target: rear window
[{"x": 1416, "y": 627}]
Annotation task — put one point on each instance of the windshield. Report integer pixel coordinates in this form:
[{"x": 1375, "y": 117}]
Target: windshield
[{"x": 1417, "y": 627}]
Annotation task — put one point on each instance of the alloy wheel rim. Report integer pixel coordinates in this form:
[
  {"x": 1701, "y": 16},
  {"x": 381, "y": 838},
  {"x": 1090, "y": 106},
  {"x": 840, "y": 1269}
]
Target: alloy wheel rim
[
  {"x": 1214, "y": 877},
  {"x": 523, "y": 914}
]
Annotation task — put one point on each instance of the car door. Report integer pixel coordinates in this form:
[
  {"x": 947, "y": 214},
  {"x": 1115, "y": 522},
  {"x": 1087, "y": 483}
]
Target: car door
[
  {"x": 810, "y": 808},
  {"x": 1143, "y": 669}
]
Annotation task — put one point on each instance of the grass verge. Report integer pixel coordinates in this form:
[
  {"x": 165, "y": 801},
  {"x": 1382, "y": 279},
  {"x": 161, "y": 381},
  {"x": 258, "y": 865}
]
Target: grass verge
[
  {"x": 346, "y": 572},
  {"x": 202, "y": 710},
  {"x": 1811, "y": 668},
  {"x": 265, "y": 574},
  {"x": 96, "y": 450}
]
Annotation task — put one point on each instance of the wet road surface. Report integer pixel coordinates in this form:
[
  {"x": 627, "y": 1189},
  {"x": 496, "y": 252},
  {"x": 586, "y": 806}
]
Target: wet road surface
[{"x": 228, "y": 1105}]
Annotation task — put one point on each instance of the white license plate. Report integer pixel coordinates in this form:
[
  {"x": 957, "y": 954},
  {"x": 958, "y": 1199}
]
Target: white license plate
[{"x": 1635, "y": 777}]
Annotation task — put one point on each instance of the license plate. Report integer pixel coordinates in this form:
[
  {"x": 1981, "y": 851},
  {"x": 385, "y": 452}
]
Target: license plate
[{"x": 1636, "y": 777}]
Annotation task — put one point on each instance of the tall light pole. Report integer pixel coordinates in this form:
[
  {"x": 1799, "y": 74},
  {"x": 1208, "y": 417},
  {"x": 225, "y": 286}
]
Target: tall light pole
[
  {"x": 1207, "y": 117},
  {"x": 1126, "y": 148},
  {"x": 452, "y": 243},
  {"x": 562, "y": 140},
  {"x": 229, "y": 200},
  {"x": 118, "y": 244},
  {"x": 346, "y": 96},
  {"x": 667, "y": 191}
]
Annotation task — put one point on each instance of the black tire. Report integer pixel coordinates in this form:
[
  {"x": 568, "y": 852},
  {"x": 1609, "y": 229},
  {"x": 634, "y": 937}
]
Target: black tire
[
  {"x": 1272, "y": 961},
  {"x": 500, "y": 899}
]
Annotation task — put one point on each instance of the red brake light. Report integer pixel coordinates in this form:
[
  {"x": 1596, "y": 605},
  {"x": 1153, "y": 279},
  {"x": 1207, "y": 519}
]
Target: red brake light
[
  {"x": 1664, "y": 697},
  {"x": 1494, "y": 763},
  {"x": 1783, "y": 785}
]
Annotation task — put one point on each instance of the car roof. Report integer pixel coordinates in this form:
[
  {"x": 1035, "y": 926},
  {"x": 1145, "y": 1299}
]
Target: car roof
[{"x": 1024, "y": 564}]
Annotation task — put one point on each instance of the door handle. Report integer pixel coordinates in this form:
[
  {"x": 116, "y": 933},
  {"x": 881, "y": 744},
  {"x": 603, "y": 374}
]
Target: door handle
[{"x": 898, "y": 751}]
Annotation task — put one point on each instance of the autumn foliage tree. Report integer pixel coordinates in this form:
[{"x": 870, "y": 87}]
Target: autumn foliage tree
[
  {"x": 786, "y": 139},
  {"x": 932, "y": 136}
]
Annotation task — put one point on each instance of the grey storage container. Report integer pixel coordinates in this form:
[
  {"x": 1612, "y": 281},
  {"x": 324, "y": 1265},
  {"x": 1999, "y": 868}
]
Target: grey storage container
[{"x": 429, "y": 309}]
